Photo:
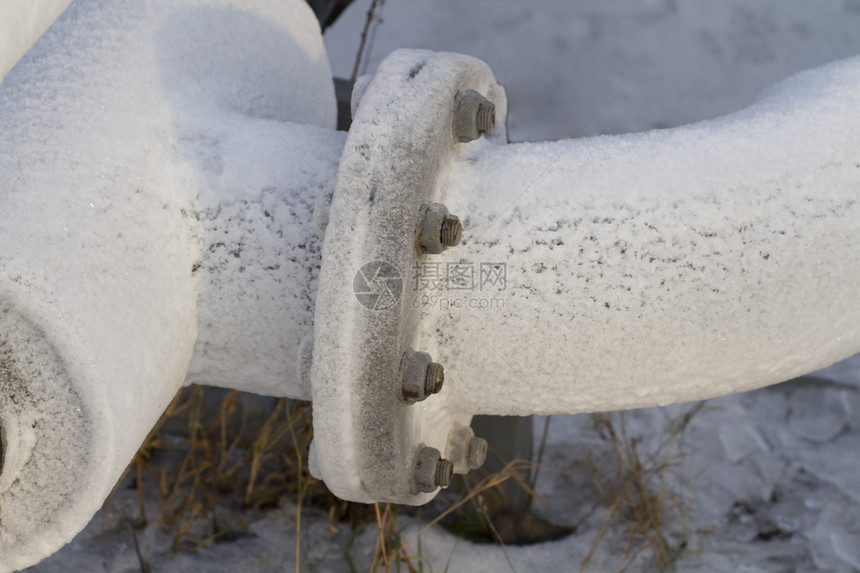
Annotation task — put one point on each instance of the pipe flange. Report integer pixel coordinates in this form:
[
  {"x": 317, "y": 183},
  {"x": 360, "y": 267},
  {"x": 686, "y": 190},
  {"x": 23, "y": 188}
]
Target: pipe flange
[{"x": 401, "y": 142}]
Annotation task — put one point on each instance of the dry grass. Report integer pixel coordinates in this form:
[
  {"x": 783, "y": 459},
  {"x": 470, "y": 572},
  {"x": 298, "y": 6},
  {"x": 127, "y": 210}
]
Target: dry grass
[
  {"x": 637, "y": 488},
  {"x": 224, "y": 461},
  {"x": 637, "y": 491},
  {"x": 392, "y": 552},
  {"x": 224, "y": 464}
]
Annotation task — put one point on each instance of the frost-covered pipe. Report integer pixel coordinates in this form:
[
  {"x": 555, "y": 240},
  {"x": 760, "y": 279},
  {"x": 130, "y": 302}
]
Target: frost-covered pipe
[
  {"x": 594, "y": 275},
  {"x": 21, "y": 24},
  {"x": 156, "y": 207},
  {"x": 654, "y": 268}
]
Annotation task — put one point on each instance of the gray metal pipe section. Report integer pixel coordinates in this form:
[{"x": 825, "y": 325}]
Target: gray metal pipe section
[{"x": 654, "y": 268}]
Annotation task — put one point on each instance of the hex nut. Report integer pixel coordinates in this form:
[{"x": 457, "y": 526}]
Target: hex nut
[
  {"x": 419, "y": 376},
  {"x": 438, "y": 229},
  {"x": 473, "y": 115},
  {"x": 431, "y": 470}
]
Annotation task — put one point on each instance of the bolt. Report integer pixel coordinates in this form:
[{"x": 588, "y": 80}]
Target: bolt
[
  {"x": 477, "y": 453},
  {"x": 452, "y": 231},
  {"x": 486, "y": 119},
  {"x": 434, "y": 378},
  {"x": 432, "y": 470},
  {"x": 420, "y": 376},
  {"x": 438, "y": 230},
  {"x": 444, "y": 473},
  {"x": 474, "y": 114}
]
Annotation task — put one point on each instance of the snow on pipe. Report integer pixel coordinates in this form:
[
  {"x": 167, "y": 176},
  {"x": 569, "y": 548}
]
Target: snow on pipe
[
  {"x": 593, "y": 275},
  {"x": 21, "y": 24},
  {"x": 660, "y": 267},
  {"x": 156, "y": 211}
]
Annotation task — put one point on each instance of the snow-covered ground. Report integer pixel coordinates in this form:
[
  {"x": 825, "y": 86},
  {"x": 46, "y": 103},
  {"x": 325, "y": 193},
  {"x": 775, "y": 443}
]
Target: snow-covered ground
[
  {"x": 771, "y": 475},
  {"x": 775, "y": 473}
]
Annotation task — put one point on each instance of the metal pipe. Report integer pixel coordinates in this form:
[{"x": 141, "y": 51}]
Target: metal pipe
[
  {"x": 661, "y": 267},
  {"x": 638, "y": 270},
  {"x": 155, "y": 224},
  {"x": 593, "y": 275}
]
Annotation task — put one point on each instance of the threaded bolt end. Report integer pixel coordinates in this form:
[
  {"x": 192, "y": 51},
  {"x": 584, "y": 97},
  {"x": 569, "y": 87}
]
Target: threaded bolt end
[
  {"x": 434, "y": 378},
  {"x": 452, "y": 231},
  {"x": 486, "y": 119},
  {"x": 477, "y": 453},
  {"x": 473, "y": 115},
  {"x": 444, "y": 473}
]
